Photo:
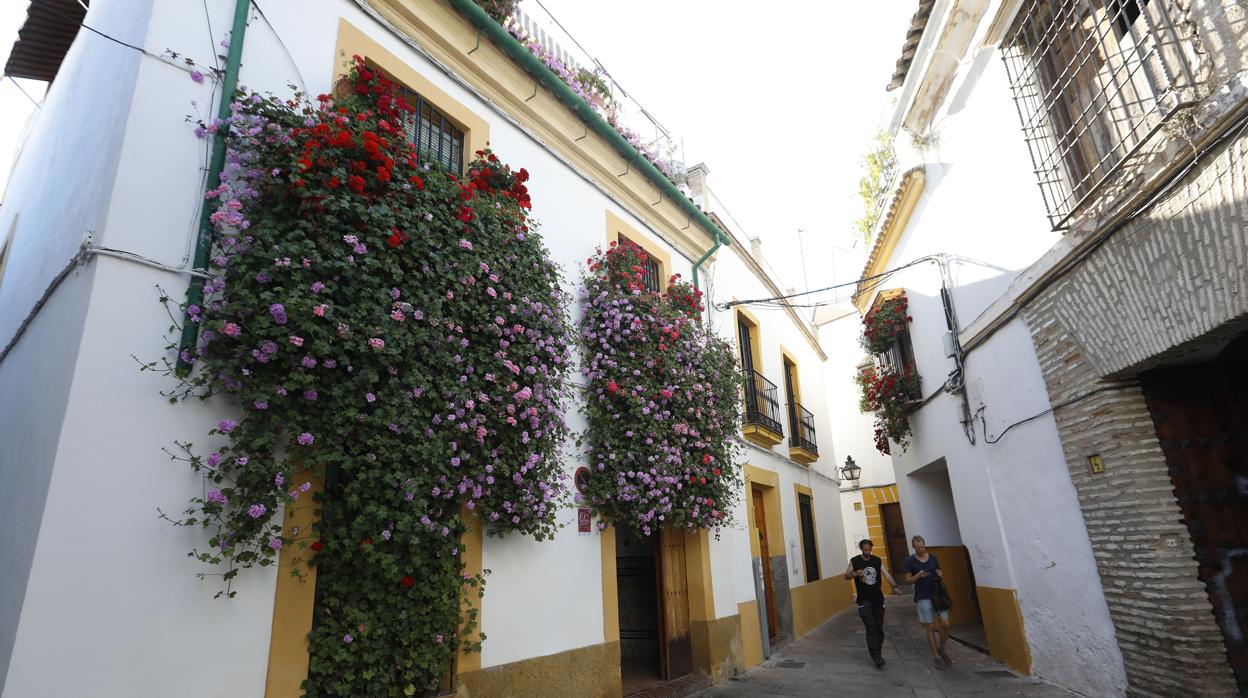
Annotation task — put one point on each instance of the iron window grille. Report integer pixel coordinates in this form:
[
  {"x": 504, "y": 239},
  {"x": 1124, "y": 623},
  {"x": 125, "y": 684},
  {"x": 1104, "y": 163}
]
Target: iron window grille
[
  {"x": 900, "y": 360},
  {"x": 810, "y": 552},
  {"x": 762, "y": 407},
  {"x": 802, "y": 428},
  {"x": 651, "y": 280},
  {"x": 437, "y": 138},
  {"x": 1093, "y": 81}
]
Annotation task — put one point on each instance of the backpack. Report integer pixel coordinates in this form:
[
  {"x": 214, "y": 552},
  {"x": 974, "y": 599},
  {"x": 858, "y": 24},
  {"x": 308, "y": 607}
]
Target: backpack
[{"x": 941, "y": 600}]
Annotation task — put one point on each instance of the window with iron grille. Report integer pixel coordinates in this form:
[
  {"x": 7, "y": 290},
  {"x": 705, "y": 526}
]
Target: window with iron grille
[
  {"x": 651, "y": 280},
  {"x": 437, "y": 138},
  {"x": 900, "y": 359},
  {"x": 810, "y": 550},
  {"x": 1093, "y": 81}
]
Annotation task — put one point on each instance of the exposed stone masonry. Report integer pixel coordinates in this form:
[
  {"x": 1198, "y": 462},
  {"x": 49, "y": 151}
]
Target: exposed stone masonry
[{"x": 1173, "y": 281}]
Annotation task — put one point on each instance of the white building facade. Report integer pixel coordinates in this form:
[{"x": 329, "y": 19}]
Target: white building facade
[{"x": 983, "y": 478}]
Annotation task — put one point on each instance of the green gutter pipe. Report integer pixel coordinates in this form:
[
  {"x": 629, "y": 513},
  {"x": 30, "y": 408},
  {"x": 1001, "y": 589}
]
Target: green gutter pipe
[
  {"x": 698, "y": 264},
  {"x": 520, "y": 54},
  {"x": 203, "y": 244}
]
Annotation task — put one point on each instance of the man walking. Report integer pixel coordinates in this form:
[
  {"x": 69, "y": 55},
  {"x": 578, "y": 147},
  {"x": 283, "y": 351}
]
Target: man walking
[
  {"x": 924, "y": 570},
  {"x": 866, "y": 570}
]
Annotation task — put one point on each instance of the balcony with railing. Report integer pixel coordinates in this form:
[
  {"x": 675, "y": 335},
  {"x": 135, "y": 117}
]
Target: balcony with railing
[
  {"x": 762, "y": 410},
  {"x": 802, "y": 445}
]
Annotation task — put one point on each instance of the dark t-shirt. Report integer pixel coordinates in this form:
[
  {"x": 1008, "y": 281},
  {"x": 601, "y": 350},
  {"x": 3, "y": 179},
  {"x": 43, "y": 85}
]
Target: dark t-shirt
[
  {"x": 923, "y": 587},
  {"x": 869, "y": 583}
]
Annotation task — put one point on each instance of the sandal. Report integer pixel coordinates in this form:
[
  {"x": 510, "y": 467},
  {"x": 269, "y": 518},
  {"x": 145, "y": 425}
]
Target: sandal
[
  {"x": 940, "y": 664},
  {"x": 945, "y": 656}
]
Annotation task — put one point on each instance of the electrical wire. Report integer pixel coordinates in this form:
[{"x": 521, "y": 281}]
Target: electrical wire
[
  {"x": 73, "y": 263},
  {"x": 1065, "y": 403},
  {"x": 145, "y": 261},
  {"x": 302, "y": 85},
  {"x": 883, "y": 274},
  {"x": 47, "y": 7},
  {"x": 18, "y": 85}
]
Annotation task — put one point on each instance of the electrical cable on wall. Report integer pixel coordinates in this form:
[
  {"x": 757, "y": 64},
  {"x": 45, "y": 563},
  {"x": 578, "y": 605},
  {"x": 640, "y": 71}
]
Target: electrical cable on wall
[{"x": 1065, "y": 403}]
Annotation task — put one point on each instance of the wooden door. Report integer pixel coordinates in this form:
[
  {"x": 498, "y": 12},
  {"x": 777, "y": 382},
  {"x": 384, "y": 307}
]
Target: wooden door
[
  {"x": 676, "y": 644},
  {"x": 895, "y": 538},
  {"x": 760, "y": 524},
  {"x": 1201, "y": 416}
]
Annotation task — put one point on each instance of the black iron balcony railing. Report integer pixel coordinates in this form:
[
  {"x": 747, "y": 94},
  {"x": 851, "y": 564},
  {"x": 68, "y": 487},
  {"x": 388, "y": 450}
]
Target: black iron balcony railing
[
  {"x": 803, "y": 435},
  {"x": 762, "y": 407}
]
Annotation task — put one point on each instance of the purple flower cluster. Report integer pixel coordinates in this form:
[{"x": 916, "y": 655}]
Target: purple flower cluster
[
  {"x": 428, "y": 364},
  {"x": 662, "y": 404}
]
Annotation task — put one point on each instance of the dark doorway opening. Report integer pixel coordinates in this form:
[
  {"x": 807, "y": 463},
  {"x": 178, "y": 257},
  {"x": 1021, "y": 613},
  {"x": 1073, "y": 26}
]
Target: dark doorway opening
[
  {"x": 638, "y": 588},
  {"x": 895, "y": 538},
  {"x": 653, "y": 593},
  {"x": 1201, "y": 416}
]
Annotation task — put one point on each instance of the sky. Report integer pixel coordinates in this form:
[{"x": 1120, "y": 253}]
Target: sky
[
  {"x": 779, "y": 99},
  {"x": 780, "y": 103}
]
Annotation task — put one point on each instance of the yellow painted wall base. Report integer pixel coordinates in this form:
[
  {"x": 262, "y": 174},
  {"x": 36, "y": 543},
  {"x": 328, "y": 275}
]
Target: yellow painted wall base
[
  {"x": 751, "y": 638},
  {"x": 717, "y": 647},
  {"x": 956, "y": 573},
  {"x": 816, "y": 602},
  {"x": 1003, "y": 624},
  {"x": 592, "y": 672}
]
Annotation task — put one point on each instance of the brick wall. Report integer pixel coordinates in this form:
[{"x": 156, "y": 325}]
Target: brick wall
[{"x": 1172, "y": 282}]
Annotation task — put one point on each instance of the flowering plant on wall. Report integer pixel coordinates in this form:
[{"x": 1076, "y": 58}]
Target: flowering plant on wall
[
  {"x": 663, "y": 401},
  {"x": 883, "y": 323},
  {"x": 499, "y": 10},
  {"x": 395, "y": 331},
  {"x": 885, "y": 392}
]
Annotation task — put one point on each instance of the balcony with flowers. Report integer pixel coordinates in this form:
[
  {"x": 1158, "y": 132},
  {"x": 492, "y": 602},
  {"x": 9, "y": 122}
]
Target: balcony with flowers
[{"x": 586, "y": 76}]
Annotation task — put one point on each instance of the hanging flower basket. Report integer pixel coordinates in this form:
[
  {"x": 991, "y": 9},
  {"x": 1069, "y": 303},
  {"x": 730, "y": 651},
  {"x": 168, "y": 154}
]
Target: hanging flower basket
[{"x": 884, "y": 323}]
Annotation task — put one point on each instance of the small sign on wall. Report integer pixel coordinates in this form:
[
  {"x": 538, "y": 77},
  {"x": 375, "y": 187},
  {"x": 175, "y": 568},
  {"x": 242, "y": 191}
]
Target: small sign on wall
[
  {"x": 1096, "y": 464},
  {"x": 584, "y": 521},
  {"x": 857, "y": 506}
]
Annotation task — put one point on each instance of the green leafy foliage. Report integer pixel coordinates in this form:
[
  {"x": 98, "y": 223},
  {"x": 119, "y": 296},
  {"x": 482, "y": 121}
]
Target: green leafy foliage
[
  {"x": 393, "y": 330},
  {"x": 663, "y": 401}
]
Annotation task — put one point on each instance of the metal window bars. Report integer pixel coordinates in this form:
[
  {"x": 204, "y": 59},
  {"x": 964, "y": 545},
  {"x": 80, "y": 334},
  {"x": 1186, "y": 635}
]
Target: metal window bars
[
  {"x": 1093, "y": 81},
  {"x": 802, "y": 423},
  {"x": 762, "y": 407},
  {"x": 437, "y": 138}
]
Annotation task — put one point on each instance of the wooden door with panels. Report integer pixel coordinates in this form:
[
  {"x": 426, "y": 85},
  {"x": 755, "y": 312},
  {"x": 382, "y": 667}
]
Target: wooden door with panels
[
  {"x": 764, "y": 554},
  {"x": 676, "y": 648}
]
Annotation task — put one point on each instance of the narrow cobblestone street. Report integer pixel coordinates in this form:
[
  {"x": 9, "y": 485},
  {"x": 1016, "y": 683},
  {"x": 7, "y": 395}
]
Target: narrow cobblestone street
[{"x": 833, "y": 662}]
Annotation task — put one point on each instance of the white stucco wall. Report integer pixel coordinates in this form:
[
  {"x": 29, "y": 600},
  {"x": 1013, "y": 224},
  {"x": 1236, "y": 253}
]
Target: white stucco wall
[
  {"x": 732, "y": 278},
  {"x": 59, "y": 190},
  {"x": 1011, "y": 503}
]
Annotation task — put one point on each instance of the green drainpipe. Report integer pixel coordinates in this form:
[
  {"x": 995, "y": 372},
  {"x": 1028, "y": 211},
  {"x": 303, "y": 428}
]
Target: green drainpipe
[
  {"x": 203, "y": 244},
  {"x": 517, "y": 51},
  {"x": 698, "y": 264}
]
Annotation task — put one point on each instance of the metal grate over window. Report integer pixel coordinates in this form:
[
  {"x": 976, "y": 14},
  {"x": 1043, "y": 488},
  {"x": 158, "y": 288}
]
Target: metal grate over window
[
  {"x": 1093, "y": 81},
  {"x": 437, "y": 138}
]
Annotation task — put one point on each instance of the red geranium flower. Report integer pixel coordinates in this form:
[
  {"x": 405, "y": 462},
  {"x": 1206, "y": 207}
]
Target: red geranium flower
[
  {"x": 407, "y": 581},
  {"x": 317, "y": 546}
]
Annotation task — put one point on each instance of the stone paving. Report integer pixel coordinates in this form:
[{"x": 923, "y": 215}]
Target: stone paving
[{"x": 835, "y": 663}]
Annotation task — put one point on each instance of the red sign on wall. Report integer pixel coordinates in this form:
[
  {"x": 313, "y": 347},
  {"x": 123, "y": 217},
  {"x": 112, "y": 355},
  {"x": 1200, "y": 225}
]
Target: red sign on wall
[{"x": 584, "y": 520}]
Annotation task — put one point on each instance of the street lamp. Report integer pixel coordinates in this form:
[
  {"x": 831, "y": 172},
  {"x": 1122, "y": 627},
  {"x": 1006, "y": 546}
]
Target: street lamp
[{"x": 851, "y": 471}]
